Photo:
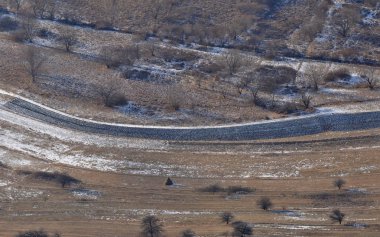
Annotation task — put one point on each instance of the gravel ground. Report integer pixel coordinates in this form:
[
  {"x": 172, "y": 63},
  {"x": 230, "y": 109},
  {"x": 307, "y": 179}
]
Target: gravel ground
[{"x": 267, "y": 130}]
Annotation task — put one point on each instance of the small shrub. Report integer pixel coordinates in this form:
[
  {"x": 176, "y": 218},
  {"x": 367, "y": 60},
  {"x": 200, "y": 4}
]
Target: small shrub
[
  {"x": 169, "y": 182},
  {"x": 214, "y": 188},
  {"x": 338, "y": 74},
  {"x": 8, "y": 24},
  {"x": 239, "y": 190},
  {"x": 210, "y": 68},
  {"x": 265, "y": 203},
  {"x": 45, "y": 33},
  {"x": 188, "y": 233},
  {"x": 36, "y": 233},
  {"x": 174, "y": 55},
  {"x": 2, "y": 165},
  {"x": 117, "y": 100},
  {"x": 226, "y": 217},
  {"x": 242, "y": 229},
  {"x": 287, "y": 108},
  {"x": 339, "y": 183},
  {"x": 24, "y": 172},
  {"x": 278, "y": 75},
  {"x": 62, "y": 179},
  {"x": 33, "y": 233}
]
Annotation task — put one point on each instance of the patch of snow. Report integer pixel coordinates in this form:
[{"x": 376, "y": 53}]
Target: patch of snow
[
  {"x": 367, "y": 169},
  {"x": 355, "y": 79},
  {"x": 12, "y": 193},
  {"x": 336, "y": 91},
  {"x": 370, "y": 17},
  {"x": 86, "y": 193},
  {"x": 292, "y": 227},
  {"x": 357, "y": 190},
  {"x": 3, "y": 183}
]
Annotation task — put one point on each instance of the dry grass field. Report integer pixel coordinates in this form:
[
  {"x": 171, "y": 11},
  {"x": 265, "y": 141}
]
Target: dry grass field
[{"x": 122, "y": 180}]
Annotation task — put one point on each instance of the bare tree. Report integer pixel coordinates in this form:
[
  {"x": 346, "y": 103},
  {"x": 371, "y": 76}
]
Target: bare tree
[
  {"x": 158, "y": 10},
  {"x": 255, "y": 94},
  {"x": 345, "y": 20},
  {"x": 68, "y": 39},
  {"x": 265, "y": 203},
  {"x": 27, "y": 31},
  {"x": 188, "y": 233},
  {"x": 370, "y": 77},
  {"x": 16, "y": 4},
  {"x": 337, "y": 216},
  {"x": 242, "y": 229},
  {"x": 39, "y": 7},
  {"x": 306, "y": 100},
  {"x": 151, "y": 227},
  {"x": 34, "y": 61},
  {"x": 233, "y": 61},
  {"x": 339, "y": 183},
  {"x": 110, "y": 92},
  {"x": 315, "y": 75},
  {"x": 227, "y": 217},
  {"x": 152, "y": 47}
]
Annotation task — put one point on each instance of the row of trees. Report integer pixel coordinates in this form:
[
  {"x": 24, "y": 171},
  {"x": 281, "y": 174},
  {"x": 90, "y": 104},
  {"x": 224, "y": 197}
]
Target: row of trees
[{"x": 151, "y": 226}]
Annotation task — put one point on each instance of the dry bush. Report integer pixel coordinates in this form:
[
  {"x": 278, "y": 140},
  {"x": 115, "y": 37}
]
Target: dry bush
[
  {"x": 188, "y": 233},
  {"x": 36, "y": 233},
  {"x": 175, "y": 97},
  {"x": 337, "y": 74},
  {"x": 239, "y": 190},
  {"x": 287, "y": 108},
  {"x": 8, "y": 24},
  {"x": 279, "y": 75},
  {"x": 175, "y": 55},
  {"x": 110, "y": 91},
  {"x": 210, "y": 67},
  {"x": 115, "y": 56}
]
